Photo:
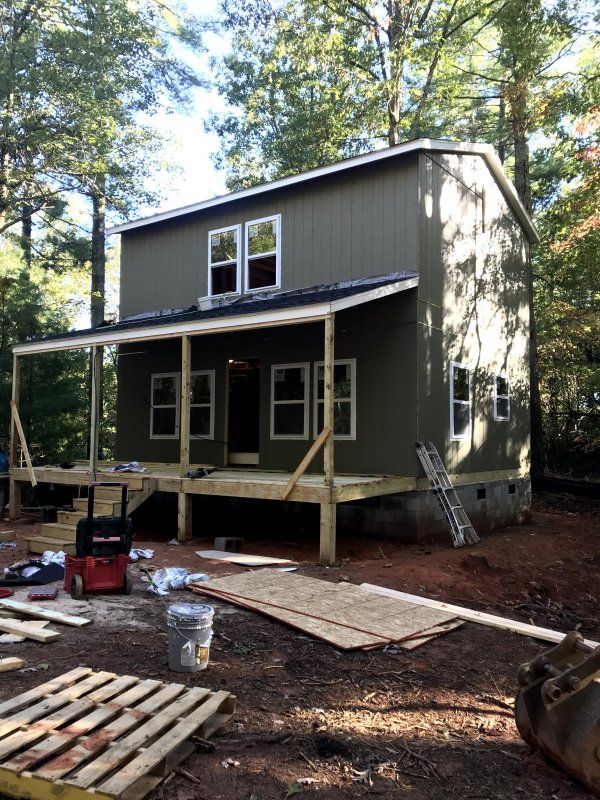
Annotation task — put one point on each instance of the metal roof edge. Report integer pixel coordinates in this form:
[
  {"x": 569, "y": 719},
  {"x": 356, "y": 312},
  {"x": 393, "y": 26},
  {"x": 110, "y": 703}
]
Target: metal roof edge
[{"x": 439, "y": 145}]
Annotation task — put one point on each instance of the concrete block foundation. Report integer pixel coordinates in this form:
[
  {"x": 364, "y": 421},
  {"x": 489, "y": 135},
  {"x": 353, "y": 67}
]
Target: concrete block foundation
[{"x": 416, "y": 516}]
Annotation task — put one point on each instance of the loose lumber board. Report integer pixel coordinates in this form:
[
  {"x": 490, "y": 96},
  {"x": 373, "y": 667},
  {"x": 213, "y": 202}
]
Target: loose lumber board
[
  {"x": 469, "y": 615},
  {"x": 18, "y": 628},
  {"x": 11, "y": 638},
  {"x": 339, "y": 613},
  {"x": 244, "y": 559},
  {"x": 10, "y": 663},
  {"x": 96, "y": 734},
  {"x": 44, "y": 613}
]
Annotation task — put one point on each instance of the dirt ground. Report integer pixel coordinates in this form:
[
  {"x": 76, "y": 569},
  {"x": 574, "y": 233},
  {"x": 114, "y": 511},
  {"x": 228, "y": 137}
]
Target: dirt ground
[{"x": 432, "y": 723}]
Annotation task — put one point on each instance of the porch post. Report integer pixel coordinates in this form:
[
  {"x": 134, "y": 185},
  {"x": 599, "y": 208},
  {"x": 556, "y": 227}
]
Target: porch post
[
  {"x": 95, "y": 408},
  {"x": 328, "y": 520},
  {"x": 14, "y": 489},
  {"x": 184, "y": 501}
]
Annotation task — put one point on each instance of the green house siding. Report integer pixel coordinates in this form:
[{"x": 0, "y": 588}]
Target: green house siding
[
  {"x": 352, "y": 225},
  {"x": 472, "y": 309},
  {"x": 381, "y": 336}
]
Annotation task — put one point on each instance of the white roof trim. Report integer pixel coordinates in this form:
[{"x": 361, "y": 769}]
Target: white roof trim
[
  {"x": 433, "y": 145},
  {"x": 270, "y": 318}
]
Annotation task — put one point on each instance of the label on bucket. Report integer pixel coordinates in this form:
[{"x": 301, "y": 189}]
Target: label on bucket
[{"x": 194, "y": 655}]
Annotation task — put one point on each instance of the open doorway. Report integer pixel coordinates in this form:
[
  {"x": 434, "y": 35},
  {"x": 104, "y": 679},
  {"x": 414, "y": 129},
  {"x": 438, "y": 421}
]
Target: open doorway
[{"x": 244, "y": 412}]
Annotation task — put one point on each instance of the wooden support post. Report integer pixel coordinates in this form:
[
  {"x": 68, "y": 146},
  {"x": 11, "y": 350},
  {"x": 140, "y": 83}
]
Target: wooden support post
[
  {"x": 184, "y": 501},
  {"x": 327, "y": 529},
  {"x": 96, "y": 372},
  {"x": 14, "y": 490}
]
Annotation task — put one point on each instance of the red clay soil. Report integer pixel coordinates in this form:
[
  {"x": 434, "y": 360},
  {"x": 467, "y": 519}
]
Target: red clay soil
[{"x": 428, "y": 724}]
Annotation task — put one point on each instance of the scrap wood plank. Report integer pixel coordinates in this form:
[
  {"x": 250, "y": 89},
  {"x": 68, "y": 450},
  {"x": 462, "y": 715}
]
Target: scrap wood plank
[
  {"x": 10, "y": 663},
  {"x": 11, "y": 638},
  {"x": 244, "y": 559},
  {"x": 24, "y": 448},
  {"x": 18, "y": 628},
  {"x": 44, "y": 613},
  {"x": 469, "y": 615},
  {"x": 339, "y": 613},
  {"x": 118, "y": 738}
]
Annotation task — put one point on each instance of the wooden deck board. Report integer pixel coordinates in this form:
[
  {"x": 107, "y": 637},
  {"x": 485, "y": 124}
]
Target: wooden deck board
[{"x": 248, "y": 483}]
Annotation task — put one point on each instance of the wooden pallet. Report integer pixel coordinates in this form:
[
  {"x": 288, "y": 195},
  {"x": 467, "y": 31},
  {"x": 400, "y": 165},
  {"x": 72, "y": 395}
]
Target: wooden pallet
[{"x": 98, "y": 735}]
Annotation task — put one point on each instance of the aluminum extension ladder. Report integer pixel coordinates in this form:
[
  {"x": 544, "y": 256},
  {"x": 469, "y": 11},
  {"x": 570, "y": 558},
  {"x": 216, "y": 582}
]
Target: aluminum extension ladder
[{"x": 461, "y": 530}]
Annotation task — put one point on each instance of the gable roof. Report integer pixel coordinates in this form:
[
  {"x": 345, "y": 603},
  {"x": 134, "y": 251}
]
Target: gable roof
[
  {"x": 247, "y": 312},
  {"x": 486, "y": 151}
]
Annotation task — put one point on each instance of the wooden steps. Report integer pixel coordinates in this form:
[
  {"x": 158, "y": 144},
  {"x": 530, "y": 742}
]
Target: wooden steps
[
  {"x": 96, "y": 734},
  {"x": 38, "y": 544},
  {"x": 61, "y": 535}
]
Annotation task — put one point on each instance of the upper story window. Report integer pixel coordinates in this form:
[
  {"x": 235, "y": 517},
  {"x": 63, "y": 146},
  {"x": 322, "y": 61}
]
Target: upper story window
[
  {"x": 344, "y": 398},
  {"x": 501, "y": 398},
  {"x": 263, "y": 265},
  {"x": 164, "y": 415},
  {"x": 224, "y": 257},
  {"x": 460, "y": 401}
]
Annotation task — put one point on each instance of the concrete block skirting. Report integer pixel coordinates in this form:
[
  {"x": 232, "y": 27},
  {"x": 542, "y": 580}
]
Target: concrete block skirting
[{"x": 414, "y": 516}]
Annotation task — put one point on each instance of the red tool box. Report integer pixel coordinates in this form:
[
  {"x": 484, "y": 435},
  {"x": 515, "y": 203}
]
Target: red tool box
[{"x": 102, "y": 549}]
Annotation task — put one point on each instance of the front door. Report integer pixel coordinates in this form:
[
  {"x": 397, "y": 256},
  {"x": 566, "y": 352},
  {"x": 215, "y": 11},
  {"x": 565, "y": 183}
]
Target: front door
[{"x": 244, "y": 411}]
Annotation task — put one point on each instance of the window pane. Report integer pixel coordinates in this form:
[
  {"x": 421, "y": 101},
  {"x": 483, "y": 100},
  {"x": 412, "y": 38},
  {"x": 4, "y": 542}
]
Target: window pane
[
  {"x": 289, "y": 419},
  {"x": 289, "y": 383},
  {"x": 342, "y": 377},
  {"x": 163, "y": 422},
  {"x": 164, "y": 391},
  {"x": 502, "y": 386},
  {"x": 262, "y": 237},
  {"x": 342, "y": 418},
  {"x": 262, "y": 272},
  {"x": 462, "y": 415},
  {"x": 223, "y": 246},
  {"x": 200, "y": 389},
  {"x": 224, "y": 279},
  {"x": 461, "y": 384},
  {"x": 502, "y": 407},
  {"x": 200, "y": 421}
]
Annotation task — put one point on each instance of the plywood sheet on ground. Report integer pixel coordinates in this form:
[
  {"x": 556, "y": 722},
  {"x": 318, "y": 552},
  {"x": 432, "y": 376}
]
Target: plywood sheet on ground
[
  {"x": 340, "y": 613},
  {"x": 244, "y": 559}
]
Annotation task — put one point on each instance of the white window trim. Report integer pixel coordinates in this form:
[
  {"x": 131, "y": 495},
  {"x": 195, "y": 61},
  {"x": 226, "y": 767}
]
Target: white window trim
[
  {"x": 277, "y": 285},
  {"x": 238, "y": 262},
  {"x": 338, "y": 436},
  {"x": 305, "y": 365},
  {"x": 211, "y": 405},
  {"x": 469, "y": 402},
  {"x": 177, "y": 377},
  {"x": 502, "y": 396}
]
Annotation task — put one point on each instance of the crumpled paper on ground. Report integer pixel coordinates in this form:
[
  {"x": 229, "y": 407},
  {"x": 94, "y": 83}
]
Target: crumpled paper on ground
[
  {"x": 136, "y": 553},
  {"x": 50, "y": 557},
  {"x": 174, "y": 578}
]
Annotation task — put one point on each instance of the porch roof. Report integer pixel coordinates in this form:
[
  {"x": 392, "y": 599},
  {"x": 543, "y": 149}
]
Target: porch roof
[{"x": 221, "y": 315}]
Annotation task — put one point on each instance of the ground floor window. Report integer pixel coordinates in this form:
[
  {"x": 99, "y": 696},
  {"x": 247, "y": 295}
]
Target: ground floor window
[
  {"x": 501, "y": 398},
  {"x": 344, "y": 398},
  {"x": 202, "y": 404},
  {"x": 460, "y": 401},
  {"x": 289, "y": 401},
  {"x": 164, "y": 399}
]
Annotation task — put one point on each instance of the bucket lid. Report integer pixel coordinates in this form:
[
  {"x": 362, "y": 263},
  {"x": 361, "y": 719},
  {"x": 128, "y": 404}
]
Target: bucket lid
[{"x": 191, "y": 611}]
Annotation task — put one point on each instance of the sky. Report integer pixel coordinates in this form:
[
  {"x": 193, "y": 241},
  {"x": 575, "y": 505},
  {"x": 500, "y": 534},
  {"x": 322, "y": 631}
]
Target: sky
[{"x": 190, "y": 147}]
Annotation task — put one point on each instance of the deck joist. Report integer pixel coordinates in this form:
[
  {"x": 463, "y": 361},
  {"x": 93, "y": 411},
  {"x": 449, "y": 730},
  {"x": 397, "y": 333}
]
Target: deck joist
[{"x": 251, "y": 483}]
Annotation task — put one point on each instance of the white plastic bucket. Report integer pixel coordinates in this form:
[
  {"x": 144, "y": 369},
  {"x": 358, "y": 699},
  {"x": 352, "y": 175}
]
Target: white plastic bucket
[{"x": 190, "y": 634}]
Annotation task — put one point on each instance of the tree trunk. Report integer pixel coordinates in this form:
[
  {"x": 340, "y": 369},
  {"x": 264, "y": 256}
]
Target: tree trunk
[
  {"x": 98, "y": 284},
  {"x": 522, "y": 179},
  {"x": 26, "y": 232},
  {"x": 501, "y": 129}
]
